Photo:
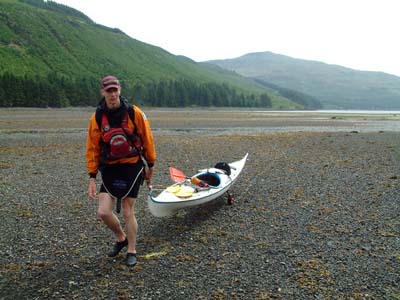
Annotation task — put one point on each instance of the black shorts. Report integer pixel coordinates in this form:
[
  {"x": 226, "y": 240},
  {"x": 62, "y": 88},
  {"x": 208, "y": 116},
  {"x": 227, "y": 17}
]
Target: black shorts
[{"x": 122, "y": 180}]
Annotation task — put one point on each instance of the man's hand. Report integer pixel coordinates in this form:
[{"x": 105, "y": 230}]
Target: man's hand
[
  {"x": 148, "y": 175},
  {"x": 92, "y": 188}
]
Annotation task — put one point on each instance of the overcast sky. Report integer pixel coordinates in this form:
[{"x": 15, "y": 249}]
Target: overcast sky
[{"x": 359, "y": 34}]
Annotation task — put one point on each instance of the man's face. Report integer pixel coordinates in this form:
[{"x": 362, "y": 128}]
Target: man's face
[{"x": 112, "y": 97}]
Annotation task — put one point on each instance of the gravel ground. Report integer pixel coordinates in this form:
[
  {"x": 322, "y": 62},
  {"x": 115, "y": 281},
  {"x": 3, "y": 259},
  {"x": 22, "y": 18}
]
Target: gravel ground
[{"x": 316, "y": 215}]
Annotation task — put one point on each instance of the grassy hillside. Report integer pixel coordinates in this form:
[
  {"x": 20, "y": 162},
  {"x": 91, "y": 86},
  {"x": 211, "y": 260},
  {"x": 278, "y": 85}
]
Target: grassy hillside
[
  {"x": 38, "y": 39},
  {"x": 334, "y": 86}
]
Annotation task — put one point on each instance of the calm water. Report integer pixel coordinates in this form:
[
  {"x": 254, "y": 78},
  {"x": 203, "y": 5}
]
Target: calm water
[
  {"x": 336, "y": 111},
  {"x": 363, "y": 112}
]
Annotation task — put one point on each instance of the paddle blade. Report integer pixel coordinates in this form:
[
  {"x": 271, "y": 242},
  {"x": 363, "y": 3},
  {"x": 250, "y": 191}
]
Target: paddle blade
[{"x": 176, "y": 175}]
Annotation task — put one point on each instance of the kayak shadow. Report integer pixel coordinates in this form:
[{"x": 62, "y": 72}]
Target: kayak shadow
[
  {"x": 198, "y": 214},
  {"x": 185, "y": 220}
]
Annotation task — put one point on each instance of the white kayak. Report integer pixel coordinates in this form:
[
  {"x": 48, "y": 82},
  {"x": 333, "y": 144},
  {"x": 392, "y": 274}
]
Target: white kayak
[{"x": 202, "y": 187}]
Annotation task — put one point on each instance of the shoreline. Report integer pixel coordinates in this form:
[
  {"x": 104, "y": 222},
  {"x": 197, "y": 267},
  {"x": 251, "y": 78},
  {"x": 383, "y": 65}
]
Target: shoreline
[{"x": 202, "y": 121}]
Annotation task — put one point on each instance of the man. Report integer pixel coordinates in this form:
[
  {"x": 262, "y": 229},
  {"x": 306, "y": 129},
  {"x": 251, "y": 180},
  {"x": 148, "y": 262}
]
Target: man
[{"x": 119, "y": 145}]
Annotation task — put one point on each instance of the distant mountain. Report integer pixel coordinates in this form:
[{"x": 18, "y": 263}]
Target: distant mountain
[
  {"x": 49, "y": 52},
  {"x": 335, "y": 86}
]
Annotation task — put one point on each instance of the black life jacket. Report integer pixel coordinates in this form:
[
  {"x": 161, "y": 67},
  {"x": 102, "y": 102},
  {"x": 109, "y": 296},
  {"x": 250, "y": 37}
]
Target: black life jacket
[
  {"x": 224, "y": 167},
  {"x": 118, "y": 142}
]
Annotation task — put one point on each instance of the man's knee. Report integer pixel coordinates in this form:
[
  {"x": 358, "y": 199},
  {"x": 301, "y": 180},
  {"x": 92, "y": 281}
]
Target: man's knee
[
  {"x": 104, "y": 214},
  {"x": 105, "y": 208}
]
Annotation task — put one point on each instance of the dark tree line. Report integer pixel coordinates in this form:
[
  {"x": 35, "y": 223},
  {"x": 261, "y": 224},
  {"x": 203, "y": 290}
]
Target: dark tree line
[
  {"x": 59, "y": 91},
  {"x": 181, "y": 93},
  {"x": 51, "y": 91}
]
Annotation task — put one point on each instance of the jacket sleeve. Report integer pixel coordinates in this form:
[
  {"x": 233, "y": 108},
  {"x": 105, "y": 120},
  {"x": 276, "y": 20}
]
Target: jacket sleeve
[
  {"x": 146, "y": 135},
  {"x": 93, "y": 146}
]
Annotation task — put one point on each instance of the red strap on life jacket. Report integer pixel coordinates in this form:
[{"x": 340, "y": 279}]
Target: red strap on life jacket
[{"x": 104, "y": 123}]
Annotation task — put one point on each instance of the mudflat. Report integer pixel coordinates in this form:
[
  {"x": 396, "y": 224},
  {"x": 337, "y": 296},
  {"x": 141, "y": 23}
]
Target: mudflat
[{"x": 316, "y": 212}]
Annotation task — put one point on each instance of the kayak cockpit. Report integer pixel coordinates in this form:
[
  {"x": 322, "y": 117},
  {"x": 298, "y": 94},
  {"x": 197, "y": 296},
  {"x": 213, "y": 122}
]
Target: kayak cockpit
[{"x": 211, "y": 179}]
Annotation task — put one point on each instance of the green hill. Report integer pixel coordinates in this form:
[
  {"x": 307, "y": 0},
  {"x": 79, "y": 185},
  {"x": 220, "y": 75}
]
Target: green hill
[
  {"x": 334, "y": 86},
  {"x": 51, "y": 51}
]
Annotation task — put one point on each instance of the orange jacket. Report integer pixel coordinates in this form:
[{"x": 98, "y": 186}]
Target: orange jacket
[{"x": 143, "y": 130}]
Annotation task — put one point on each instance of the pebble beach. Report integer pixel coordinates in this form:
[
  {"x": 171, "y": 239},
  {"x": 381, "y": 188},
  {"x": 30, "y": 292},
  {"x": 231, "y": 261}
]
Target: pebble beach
[{"x": 316, "y": 212}]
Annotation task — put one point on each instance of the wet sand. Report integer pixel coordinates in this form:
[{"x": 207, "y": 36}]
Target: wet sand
[
  {"x": 316, "y": 214},
  {"x": 229, "y": 121}
]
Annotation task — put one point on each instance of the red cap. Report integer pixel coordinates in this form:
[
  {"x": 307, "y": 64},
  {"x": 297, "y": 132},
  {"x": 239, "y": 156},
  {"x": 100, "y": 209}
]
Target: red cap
[{"x": 110, "y": 82}]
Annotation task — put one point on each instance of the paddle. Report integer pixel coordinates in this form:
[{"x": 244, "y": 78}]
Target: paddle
[{"x": 177, "y": 175}]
